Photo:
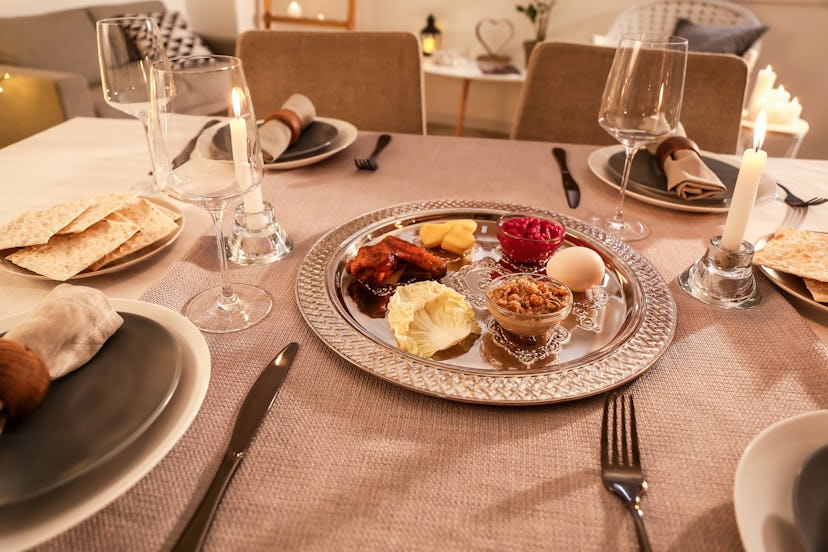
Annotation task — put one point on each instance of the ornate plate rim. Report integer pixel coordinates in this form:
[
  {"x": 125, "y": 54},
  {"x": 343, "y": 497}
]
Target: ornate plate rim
[{"x": 639, "y": 350}]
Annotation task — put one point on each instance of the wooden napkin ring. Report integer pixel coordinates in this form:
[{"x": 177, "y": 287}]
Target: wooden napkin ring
[
  {"x": 291, "y": 119},
  {"x": 671, "y": 145},
  {"x": 24, "y": 379}
]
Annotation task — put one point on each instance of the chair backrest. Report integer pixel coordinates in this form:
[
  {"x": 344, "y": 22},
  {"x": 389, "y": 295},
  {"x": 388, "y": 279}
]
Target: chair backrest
[
  {"x": 561, "y": 96},
  {"x": 370, "y": 79},
  {"x": 661, "y": 16}
]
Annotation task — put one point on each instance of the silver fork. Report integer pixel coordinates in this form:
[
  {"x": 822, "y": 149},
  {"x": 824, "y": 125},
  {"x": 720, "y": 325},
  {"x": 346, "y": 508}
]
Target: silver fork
[
  {"x": 370, "y": 164},
  {"x": 621, "y": 460},
  {"x": 794, "y": 201}
]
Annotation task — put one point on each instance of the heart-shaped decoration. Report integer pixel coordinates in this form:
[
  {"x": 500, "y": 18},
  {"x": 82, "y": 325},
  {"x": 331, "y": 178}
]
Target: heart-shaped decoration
[{"x": 494, "y": 32}]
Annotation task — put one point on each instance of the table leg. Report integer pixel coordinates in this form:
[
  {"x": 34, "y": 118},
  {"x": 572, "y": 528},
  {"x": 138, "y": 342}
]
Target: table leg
[{"x": 461, "y": 115}]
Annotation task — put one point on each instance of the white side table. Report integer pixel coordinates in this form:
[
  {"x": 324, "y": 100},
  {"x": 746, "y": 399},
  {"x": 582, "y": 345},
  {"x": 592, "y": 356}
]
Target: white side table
[
  {"x": 468, "y": 71},
  {"x": 780, "y": 140}
]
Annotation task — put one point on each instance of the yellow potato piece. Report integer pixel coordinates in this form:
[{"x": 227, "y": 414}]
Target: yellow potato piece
[
  {"x": 432, "y": 234},
  {"x": 466, "y": 224},
  {"x": 458, "y": 240}
]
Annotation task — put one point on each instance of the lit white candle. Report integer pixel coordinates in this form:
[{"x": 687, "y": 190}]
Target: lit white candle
[
  {"x": 747, "y": 183},
  {"x": 294, "y": 9},
  {"x": 765, "y": 80},
  {"x": 253, "y": 202}
]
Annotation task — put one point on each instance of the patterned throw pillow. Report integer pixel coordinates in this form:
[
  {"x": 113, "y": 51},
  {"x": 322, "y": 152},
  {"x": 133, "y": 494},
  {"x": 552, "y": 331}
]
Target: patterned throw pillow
[{"x": 179, "y": 40}]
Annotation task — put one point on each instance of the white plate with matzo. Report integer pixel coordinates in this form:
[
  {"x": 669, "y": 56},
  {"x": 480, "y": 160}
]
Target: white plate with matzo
[
  {"x": 787, "y": 282},
  {"x": 126, "y": 255}
]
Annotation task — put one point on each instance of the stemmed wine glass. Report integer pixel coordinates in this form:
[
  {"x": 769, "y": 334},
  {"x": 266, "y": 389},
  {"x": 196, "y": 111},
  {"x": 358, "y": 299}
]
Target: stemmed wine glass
[
  {"x": 641, "y": 103},
  {"x": 127, "y": 47},
  {"x": 187, "y": 96}
]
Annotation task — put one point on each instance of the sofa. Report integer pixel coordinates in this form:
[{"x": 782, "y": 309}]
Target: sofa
[{"x": 51, "y": 61}]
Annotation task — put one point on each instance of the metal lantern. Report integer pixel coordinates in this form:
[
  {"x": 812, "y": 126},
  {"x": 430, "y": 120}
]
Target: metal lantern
[{"x": 430, "y": 37}]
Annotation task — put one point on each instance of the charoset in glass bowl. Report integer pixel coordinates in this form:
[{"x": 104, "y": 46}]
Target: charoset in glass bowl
[
  {"x": 528, "y": 305},
  {"x": 529, "y": 240}
]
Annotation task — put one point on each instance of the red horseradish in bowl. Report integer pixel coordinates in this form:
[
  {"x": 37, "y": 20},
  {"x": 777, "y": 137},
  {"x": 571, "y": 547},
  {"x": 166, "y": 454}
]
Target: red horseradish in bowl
[{"x": 529, "y": 240}]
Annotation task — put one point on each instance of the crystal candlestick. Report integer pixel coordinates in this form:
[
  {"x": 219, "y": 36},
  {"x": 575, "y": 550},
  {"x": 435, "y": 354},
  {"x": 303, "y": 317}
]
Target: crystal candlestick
[
  {"x": 723, "y": 277},
  {"x": 260, "y": 243}
]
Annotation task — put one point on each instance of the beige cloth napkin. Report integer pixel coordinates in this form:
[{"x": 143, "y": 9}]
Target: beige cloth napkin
[
  {"x": 687, "y": 175},
  {"x": 67, "y": 328},
  {"x": 275, "y": 135}
]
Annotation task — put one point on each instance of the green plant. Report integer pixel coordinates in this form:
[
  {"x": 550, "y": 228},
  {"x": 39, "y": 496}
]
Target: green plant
[{"x": 538, "y": 14}]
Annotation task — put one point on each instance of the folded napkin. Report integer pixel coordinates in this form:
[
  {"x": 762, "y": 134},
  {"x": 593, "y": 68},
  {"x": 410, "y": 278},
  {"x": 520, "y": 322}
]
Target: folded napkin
[
  {"x": 687, "y": 175},
  {"x": 283, "y": 127},
  {"x": 66, "y": 329}
]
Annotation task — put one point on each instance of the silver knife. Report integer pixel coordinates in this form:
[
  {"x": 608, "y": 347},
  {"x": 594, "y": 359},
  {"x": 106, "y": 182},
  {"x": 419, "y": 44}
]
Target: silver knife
[
  {"x": 571, "y": 189},
  {"x": 253, "y": 410}
]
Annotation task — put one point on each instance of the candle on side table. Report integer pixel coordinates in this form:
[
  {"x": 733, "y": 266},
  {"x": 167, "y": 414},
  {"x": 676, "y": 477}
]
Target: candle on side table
[
  {"x": 765, "y": 80},
  {"x": 747, "y": 183}
]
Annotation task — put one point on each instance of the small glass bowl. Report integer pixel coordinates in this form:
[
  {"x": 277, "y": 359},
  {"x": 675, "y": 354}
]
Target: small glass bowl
[
  {"x": 526, "y": 250},
  {"x": 537, "y": 326}
]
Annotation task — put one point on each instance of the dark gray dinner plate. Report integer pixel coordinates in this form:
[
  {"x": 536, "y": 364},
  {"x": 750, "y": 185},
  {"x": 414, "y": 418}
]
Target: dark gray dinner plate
[
  {"x": 315, "y": 137},
  {"x": 646, "y": 178},
  {"x": 811, "y": 500},
  {"x": 92, "y": 413}
]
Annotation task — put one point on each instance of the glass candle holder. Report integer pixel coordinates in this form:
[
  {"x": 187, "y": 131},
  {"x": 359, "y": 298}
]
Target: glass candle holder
[
  {"x": 261, "y": 243},
  {"x": 723, "y": 277}
]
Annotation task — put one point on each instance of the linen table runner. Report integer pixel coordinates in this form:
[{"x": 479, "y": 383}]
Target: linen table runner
[{"x": 346, "y": 461}]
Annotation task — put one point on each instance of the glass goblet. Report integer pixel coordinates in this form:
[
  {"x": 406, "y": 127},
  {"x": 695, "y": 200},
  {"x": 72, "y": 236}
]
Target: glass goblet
[
  {"x": 127, "y": 47},
  {"x": 188, "y": 95},
  {"x": 641, "y": 104}
]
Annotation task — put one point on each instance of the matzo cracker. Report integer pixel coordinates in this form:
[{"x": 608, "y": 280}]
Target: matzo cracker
[
  {"x": 36, "y": 227},
  {"x": 102, "y": 206},
  {"x": 819, "y": 290},
  {"x": 800, "y": 252},
  {"x": 153, "y": 225},
  {"x": 67, "y": 254}
]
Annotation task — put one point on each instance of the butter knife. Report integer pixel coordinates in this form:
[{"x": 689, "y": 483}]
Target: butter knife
[
  {"x": 571, "y": 189},
  {"x": 253, "y": 410}
]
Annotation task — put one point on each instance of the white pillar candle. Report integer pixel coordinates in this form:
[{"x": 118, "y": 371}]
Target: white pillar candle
[
  {"x": 765, "y": 80},
  {"x": 294, "y": 9},
  {"x": 747, "y": 183},
  {"x": 253, "y": 202}
]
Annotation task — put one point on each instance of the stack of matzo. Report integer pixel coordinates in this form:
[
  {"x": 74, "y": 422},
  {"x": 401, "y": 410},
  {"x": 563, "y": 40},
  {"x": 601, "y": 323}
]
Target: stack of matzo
[
  {"x": 800, "y": 252},
  {"x": 85, "y": 234}
]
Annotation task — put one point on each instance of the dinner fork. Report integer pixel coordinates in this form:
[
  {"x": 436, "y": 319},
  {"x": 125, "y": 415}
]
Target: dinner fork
[
  {"x": 795, "y": 201},
  {"x": 621, "y": 460},
  {"x": 370, "y": 164}
]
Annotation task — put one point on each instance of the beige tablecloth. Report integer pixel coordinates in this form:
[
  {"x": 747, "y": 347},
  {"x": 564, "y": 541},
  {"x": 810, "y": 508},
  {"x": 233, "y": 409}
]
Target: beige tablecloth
[{"x": 346, "y": 461}]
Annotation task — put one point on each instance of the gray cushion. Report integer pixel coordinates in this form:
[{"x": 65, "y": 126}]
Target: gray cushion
[
  {"x": 59, "y": 41},
  {"x": 719, "y": 39}
]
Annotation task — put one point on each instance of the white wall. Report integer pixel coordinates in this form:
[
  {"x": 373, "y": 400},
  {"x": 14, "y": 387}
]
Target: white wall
[{"x": 794, "y": 45}]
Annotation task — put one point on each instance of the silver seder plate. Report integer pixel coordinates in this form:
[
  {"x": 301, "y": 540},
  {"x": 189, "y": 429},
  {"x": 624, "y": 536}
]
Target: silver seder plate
[{"x": 613, "y": 335}]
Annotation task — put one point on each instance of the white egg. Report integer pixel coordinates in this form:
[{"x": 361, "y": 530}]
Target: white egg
[{"x": 579, "y": 268}]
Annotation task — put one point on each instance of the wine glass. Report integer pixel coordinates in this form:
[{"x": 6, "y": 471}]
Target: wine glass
[
  {"x": 127, "y": 47},
  {"x": 641, "y": 103},
  {"x": 187, "y": 96}
]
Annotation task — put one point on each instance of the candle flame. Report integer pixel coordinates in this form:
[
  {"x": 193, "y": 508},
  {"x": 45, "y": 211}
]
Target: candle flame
[
  {"x": 759, "y": 130},
  {"x": 768, "y": 68},
  {"x": 236, "y": 103},
  {"x": 795, "y": 101}
]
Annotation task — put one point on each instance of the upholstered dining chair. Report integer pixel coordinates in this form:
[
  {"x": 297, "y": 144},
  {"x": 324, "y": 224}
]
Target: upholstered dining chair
[
  {"x": 370, "y": 79},
  {"x": 661, "y": 16},
  {"x": 561, "y": 96}
]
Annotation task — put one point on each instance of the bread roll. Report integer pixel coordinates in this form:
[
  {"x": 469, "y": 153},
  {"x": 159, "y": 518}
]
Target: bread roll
[{"x": 24, "y": 379}]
